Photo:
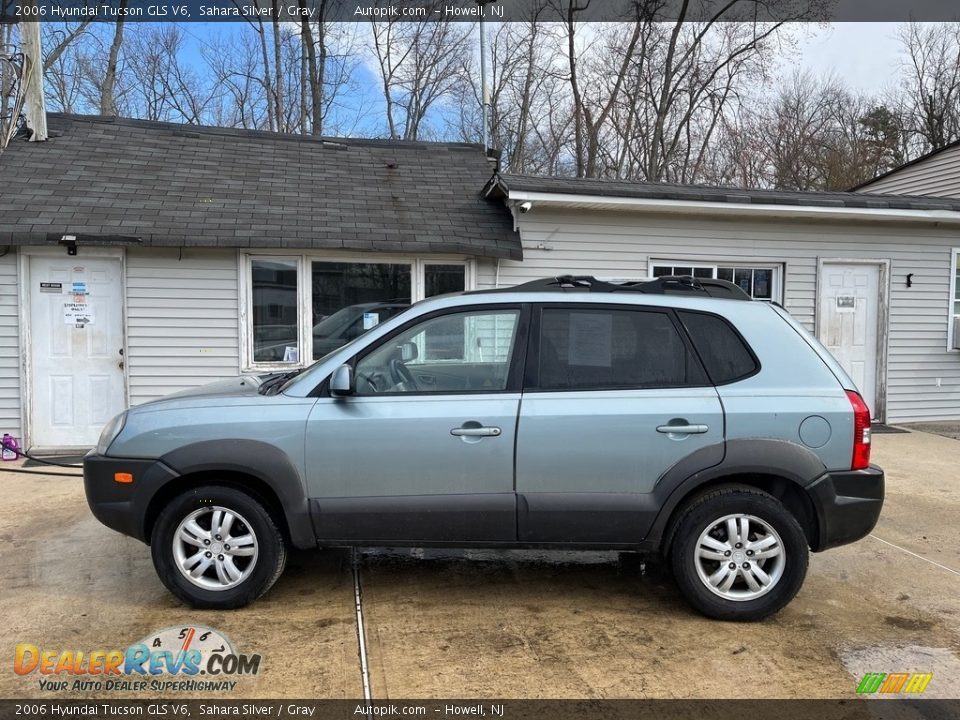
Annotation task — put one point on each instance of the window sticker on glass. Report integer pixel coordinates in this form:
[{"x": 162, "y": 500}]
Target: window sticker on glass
[
  {"x": 370, "y": 320},
  {"x": 591, "y": 339}
]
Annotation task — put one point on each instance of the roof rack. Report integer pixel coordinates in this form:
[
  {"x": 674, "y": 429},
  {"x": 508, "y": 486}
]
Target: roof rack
[{"x": 666, "y": 285}]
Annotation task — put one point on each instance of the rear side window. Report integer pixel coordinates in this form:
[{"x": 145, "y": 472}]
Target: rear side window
[
  {"x": 597, "y": 348},
  {"x": 724, "y": 353}
]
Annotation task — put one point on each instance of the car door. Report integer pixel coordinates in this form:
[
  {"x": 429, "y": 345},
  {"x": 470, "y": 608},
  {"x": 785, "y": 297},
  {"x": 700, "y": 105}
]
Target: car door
[
  {"x": 422, "y": 451},
  {"x": 614, "y": 396}
]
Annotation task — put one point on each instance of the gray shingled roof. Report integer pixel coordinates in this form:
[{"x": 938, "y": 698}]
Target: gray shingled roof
[
  {"x": 503, "y": 184},
  {"x": 178, "y": 185}
]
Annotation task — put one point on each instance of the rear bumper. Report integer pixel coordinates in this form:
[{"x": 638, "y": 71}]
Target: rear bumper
[
  {"x": 847, "y": 504},
  {"x": 122, "y": 506}
]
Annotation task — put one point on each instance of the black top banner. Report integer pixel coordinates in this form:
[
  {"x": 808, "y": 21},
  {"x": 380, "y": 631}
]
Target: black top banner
[{"x": 473, "y": 10}]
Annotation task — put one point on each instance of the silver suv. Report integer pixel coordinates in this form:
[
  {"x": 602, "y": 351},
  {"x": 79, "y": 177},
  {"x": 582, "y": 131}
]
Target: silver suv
[{"x": 673, "y": 416}]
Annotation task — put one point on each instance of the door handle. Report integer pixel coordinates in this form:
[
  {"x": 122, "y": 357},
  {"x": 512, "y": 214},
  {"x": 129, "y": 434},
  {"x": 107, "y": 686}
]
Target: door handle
[
  {"x": 475, "y": 431},
  {"x": 682, "y": 429}
]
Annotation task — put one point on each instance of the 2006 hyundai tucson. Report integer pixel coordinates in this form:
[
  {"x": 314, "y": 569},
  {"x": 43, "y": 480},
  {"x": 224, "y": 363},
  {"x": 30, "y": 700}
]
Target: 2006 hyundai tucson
[{"x": 673, "y": 415}]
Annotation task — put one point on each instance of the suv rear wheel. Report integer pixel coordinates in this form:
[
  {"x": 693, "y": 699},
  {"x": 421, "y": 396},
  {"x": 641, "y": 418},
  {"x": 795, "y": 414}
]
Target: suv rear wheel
[
  {"x": 738, "y": 554},
  {"x": 217, "y": 547}
]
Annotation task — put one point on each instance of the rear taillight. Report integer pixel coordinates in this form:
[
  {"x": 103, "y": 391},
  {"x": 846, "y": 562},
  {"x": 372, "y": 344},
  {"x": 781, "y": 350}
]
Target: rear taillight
[{"x": 861, "y": 431}]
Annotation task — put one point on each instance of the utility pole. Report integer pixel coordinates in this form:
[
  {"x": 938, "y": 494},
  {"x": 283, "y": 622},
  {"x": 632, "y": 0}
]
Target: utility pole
[
  {"x": 484, "y": 83},
  {"x": 33, "y": 81}
]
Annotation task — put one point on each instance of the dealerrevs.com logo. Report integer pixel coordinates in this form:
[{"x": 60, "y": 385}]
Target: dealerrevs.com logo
[{"x": 192, "y": 658}]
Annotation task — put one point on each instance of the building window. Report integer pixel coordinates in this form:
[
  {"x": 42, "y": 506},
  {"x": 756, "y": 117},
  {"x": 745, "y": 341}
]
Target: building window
[
  {"x": 273, "y": 305},
  {"x": 351, "y": 298},
  {"x": 300, "y": 307},
  {"x": 441, "y": 279},
  {"x": 758, "y": 281},
  {"x": 952, "y": 339}
]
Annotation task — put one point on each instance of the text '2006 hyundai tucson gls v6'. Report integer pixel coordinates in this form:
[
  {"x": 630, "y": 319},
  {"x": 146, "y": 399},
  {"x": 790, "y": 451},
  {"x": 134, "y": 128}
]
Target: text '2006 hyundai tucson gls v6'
[{"x": 675, "y": 416}]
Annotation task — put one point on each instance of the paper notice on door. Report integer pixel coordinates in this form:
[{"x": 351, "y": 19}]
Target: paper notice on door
[
  {"x": 846, "y": 303},
  {"x": 75, "y": 313},
  {"x": 591, "y": 339}
]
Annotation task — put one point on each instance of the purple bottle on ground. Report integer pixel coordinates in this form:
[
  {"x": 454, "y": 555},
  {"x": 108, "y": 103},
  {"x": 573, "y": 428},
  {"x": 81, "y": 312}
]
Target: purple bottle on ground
[{"x": 11, "y": 449}]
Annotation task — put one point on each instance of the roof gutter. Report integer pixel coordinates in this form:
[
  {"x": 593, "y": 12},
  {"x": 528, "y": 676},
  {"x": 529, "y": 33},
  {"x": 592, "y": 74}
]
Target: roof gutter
[{"x": 706, "y": 208}]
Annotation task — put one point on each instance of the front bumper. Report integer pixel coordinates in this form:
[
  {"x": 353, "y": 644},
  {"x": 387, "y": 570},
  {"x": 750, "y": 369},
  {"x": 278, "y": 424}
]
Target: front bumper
[
  {"x": 847, "y": 504},
  {"x": 123, "y": 506}
]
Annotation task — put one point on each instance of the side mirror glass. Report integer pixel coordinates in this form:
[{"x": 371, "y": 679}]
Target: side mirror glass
[
  {"x": 341, "y": 382},
  {"x": 408, "y": 352}
]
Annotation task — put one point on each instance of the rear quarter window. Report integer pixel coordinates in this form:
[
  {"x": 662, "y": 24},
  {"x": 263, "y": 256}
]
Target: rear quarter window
[{"x": 725, "y": 354}]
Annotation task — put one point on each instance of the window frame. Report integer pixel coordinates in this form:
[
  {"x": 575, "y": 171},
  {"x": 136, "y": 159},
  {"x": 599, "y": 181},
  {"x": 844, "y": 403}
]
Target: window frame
[
  {"x": 952, "y": 300},
  {"x": 517, "y": 359},
  {"x": 531, "y": 374},
  {"x": 736, "y": 331},
  {"x": 304, "y": 261},
  {"x": 778, "y": 271}
]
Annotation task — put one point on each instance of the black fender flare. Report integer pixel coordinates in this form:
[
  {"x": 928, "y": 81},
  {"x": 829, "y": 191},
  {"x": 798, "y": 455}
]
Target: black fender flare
[
  {"x": 266, "y": 462},
  {"x": 790, "y": 461}
]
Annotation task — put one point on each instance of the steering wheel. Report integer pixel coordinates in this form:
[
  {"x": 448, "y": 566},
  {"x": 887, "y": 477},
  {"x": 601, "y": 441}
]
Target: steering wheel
[
  {"x": 400, "y": 373},
  {"x": 369, "y": 380}
]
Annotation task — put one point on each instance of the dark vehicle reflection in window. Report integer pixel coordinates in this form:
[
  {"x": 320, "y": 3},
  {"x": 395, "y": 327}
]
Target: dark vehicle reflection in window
[{"x": 350, "y": 323}]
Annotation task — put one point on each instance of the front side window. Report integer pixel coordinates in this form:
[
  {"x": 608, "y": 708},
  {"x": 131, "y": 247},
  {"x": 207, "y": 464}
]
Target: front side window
[
  {"x": 584, "y": 349},
  {"x": 458, "y": 352}
]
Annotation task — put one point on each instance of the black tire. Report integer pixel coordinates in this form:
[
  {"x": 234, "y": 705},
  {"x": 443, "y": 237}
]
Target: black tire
[
  {"x": 267, "y": 566},
  {"x": 704, "y": 511}
]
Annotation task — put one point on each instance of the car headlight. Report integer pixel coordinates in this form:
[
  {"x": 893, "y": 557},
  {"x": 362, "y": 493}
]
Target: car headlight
[{"x": 110, "y": 432}]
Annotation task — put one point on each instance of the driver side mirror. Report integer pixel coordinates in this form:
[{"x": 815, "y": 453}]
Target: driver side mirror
[{"x": 341, "y": 382}]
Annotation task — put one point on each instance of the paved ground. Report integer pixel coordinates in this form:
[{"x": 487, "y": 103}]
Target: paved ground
[
  {"x": 516, "y": 624},
  {"x": 950, "y": 429}
]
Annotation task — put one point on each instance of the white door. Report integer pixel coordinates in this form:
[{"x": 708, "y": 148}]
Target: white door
[
  {"x": 76, "y": 343},
  {"x": 849, "y": 309}
]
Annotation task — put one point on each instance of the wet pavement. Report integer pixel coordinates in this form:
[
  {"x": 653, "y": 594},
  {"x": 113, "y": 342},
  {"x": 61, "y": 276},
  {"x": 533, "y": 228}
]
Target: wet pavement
[{"x": 515, "y": 624}]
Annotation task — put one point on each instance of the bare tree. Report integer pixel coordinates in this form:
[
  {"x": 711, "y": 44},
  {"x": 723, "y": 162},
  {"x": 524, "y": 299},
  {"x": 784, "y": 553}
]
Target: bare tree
[
  {"x": 63, "y": 37},
  {"x": 420, "y": 64},
  {"x": 108, "y": 105},
  {"x": 163, "y": 86},
  {"x": 930, "y": 95},
  {"x": 234, "y": 64}
]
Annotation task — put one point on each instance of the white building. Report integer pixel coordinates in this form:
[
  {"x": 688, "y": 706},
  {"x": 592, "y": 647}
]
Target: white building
[{"x": 202, "y": 253}]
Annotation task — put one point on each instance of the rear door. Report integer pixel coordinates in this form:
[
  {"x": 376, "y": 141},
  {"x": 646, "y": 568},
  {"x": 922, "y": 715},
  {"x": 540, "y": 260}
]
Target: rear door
[{"x": 613, "y": 397}]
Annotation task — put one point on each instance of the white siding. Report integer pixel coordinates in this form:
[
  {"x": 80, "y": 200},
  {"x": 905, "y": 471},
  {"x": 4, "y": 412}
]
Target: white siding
[
  {"x": 611, "y": 244},
  {"x": 182, "y": 326},
  {"x": 937, "y": 175},
  {"x": 9, "y": 347}
]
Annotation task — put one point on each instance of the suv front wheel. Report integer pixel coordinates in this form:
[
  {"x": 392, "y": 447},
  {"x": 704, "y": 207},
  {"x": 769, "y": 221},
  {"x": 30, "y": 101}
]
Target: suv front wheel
[
  {"x": 738, "y": 554},
  {"x": 217, "y": 547}
]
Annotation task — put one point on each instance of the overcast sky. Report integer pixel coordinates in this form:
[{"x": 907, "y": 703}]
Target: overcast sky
[{"x": 865, "y": 55}]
